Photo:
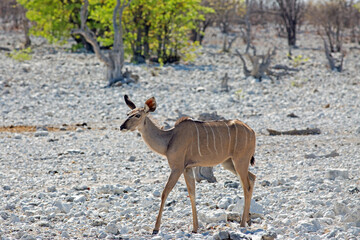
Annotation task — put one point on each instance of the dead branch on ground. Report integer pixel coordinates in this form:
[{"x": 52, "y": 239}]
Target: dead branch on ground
[
  {"x": 308, "y": 131},
  {"x": 260, "y": 63},
  {"x": 329, "y": 155}
]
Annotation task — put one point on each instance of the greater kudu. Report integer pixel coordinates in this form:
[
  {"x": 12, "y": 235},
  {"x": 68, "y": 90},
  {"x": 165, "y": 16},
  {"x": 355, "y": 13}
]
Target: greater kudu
[{"x": 193, "y": 143}]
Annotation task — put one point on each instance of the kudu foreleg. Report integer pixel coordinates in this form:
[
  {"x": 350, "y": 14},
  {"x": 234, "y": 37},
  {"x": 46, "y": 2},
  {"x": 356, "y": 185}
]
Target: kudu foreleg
[
  {"x": 190, "y": 183},
  {"x": 174, "y": 177}
]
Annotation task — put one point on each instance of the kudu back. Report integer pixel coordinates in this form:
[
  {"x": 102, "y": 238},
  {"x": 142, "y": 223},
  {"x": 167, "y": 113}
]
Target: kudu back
[{"x": 193, "y": 143}]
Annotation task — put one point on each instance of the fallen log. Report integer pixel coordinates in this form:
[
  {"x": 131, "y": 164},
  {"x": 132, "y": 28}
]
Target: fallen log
[
  {"x": 332, "y": 154},
  {"x": 308, "y": 131}
]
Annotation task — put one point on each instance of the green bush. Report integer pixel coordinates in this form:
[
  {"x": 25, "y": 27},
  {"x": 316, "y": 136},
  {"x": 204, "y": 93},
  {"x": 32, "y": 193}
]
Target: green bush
[
  {"x": 153, "y": 28},
  {"x": 21, "y": 55}
]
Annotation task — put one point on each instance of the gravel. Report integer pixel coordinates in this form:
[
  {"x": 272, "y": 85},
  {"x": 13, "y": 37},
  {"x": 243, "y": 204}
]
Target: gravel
[{"x": 74, "y": 175}]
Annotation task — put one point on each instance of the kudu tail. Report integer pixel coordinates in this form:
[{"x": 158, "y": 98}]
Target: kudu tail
[{"x": 252, "y": 161}]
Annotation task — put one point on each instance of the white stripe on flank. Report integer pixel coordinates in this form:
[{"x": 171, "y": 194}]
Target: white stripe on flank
[
  {"x": 236, "y": 133},
  {"x": 221, "y": 143},
  {"x": 229, "y": 136},
  {"x": 207, "y": 138},
  {"x": 198, "y": 140},
  {"x": 214, "y": 139}
]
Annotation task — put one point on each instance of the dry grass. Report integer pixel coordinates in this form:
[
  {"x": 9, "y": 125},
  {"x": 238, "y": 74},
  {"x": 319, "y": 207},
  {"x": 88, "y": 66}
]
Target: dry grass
[{"x": 22, "y": 129}]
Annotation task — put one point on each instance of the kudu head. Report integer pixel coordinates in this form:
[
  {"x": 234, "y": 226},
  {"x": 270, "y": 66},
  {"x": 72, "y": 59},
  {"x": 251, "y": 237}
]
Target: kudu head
[{"x": 136, "y": 117}]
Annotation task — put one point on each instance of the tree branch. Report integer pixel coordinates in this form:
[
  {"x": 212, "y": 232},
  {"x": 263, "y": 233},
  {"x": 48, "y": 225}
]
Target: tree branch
[
  {"x": 246, "y": 70},
  {"x": 88, "y": 34}
]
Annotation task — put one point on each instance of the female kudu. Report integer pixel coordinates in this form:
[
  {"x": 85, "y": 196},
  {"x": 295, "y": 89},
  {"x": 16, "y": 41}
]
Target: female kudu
[{"x": 193, "y": 143}]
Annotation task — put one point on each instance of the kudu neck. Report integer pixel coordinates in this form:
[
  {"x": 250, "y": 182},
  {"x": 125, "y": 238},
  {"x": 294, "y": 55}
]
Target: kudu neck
[{"x": 155, "y": 137}]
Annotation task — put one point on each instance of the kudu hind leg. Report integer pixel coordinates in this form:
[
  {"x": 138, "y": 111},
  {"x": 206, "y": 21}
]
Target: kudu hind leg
[
  {"x": 251, "y": 178},
  {"x": 247, "y": 180},
  {"x": 190, "y": 183},
  {"x": 174, "y": 177},
  {"x": 229, "y": 165}
]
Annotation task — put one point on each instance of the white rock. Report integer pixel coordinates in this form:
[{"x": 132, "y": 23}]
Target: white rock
[
  {"x": 329, "y": 214},
  {"x": 355, "y": 231},
  {"x": 213, "y": 216},
  {"x": 305, "y": 226},
  {"x": 14, "y": 218},
  {"x": 63, "y": 207},
  {"x": 65, "y": 234},
  {"x": 124, "y": 230},
  {"x": 353, "y": 216},
  {"x": 51, "y": 189},
  {"x": 74, "y": 151},
  {"x": 18, "y": 136},
  {"x": 156, "y": 193},
  {"x": 102, "y": 234},
  {"x": 110, "y": 189},
  {"x": 41, "y": 134},
  {"x": 255, "y": 208},
  {"x": 336, "y": 173},
  {"x": 224, "y": 235},
  {"x": 28, "y": 237},
  {"x": 179, "y": 234},
  {"x": 80, "y": 198},
  {"x": 225, "y": 202},
  {"x": 340, "y": 209},
  {"x": 44, "y": 224},
  {"x": 79, "y": 130},
  {"x": 112, "y": 228},
  {"x": 358, "y": 130},
  {"x": 147, "y": 202}
]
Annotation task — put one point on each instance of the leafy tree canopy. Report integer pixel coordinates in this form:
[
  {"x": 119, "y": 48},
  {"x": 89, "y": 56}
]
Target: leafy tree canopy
[{"x": 157, "y": 28}]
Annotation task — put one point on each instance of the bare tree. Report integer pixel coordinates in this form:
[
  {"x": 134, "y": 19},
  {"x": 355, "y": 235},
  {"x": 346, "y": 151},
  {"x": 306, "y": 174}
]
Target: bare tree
[
  {"x": 14, "y": 15},
  {"x": 248, "y": 26},
  {"x": 333, "y": 18},
  {"x": 225, "y": 16},
  {"x": 335, "y": 62},
  {"x": 260, "y": 63},
  {"x": 291, "y": 12},
  {"x": 115, "y": 60}
]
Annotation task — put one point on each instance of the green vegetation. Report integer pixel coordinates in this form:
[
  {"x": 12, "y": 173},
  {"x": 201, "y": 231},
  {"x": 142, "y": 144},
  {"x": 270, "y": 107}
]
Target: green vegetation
[
  {"x": 54, "y": 18},
  {"x": 21, "y": 55},
  {"x": 153, "y": 29},
  {"x": 298, "y": 60},
  {"x": 239, "y": 94}
]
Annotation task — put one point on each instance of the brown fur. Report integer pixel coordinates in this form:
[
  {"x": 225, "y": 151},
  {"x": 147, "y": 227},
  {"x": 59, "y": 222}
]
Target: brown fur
[
  {"x": 182, "y": 119},
  {"x": 193, "y": 143}
]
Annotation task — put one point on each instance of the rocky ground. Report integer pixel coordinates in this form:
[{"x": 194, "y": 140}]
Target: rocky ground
[{"x": 66, "y": 171}]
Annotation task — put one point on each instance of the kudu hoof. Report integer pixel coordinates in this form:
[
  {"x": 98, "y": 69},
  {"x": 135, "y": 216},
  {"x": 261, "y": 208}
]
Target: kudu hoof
[
  {"x": 249, "y": 223},
  {"x": 155, "y": 232},
  {"x": 194, "y": 231}
]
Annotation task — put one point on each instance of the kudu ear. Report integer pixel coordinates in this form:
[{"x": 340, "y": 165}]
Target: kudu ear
[
  {"x": 130, "y": 104},
  {"x": 150, "y": 105}
]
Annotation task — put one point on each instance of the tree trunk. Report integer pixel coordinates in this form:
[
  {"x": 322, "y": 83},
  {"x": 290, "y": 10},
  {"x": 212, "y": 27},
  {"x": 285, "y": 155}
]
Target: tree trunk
[
  {"x": 138, "y": 57},
  {"x": 248, "y": 26},
  {"x": 146, "y": 42},
  {"x": 114, "y": 62},
  {"x": 27, "y": 42},
  {"x": 114, "y": 68},
  {"x": 291, "y": 11},
  {"x": 291, "y": 31}
]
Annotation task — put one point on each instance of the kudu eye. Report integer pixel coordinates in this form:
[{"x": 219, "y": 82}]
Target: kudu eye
[{"x": 138, "y": 115}]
